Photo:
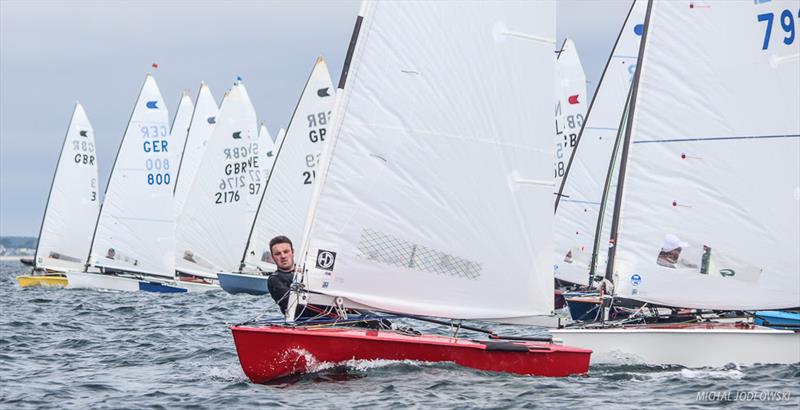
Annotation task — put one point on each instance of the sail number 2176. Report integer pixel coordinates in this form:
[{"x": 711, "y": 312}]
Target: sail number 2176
[{"x": 787, "y": 24}]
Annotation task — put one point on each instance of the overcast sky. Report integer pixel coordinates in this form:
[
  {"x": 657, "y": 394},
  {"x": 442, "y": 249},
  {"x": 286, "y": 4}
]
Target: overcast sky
[{"x": 53, "y": 53}]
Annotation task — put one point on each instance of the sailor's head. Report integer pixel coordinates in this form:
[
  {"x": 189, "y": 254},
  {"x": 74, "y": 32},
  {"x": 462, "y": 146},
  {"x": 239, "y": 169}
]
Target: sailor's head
[
  {"x": 672, "y": 247},
  {"x": 111, "y": 253},
  {"x": 282, "y": 252}
]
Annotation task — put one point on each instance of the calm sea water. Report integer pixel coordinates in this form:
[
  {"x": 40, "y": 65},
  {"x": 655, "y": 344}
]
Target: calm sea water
[{"x": 80, "y": 349}]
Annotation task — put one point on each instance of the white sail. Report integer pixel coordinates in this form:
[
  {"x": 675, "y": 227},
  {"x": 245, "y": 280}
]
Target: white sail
[
  {"x": 579, "y": 204},
  {"x": 713, "y": 173},
  {"x": 436, "y": 195},
  {"x": 570, "y": 106},
  {"x": 72, "y": 205},
  {"x": 136, "y": 228},
  {"x": 284, "y": 207},
  {"x": 202, "y": 123},
  {"x": 180, "y": 129},
  {"x": 218, "y": 211}
]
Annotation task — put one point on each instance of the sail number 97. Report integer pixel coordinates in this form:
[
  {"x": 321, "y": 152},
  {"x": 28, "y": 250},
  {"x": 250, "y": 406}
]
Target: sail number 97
[{"x": 787, "y": 24}]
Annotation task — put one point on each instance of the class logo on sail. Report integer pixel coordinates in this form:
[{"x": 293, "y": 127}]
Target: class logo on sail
[
  {"x": 153, "y": 105},
  {"x": 323, "y": 92},
  {"x": 325, "y": 259}
]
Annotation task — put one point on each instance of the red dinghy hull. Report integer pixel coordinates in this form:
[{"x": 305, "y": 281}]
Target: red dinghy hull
[{"x": 270, "y": 352}]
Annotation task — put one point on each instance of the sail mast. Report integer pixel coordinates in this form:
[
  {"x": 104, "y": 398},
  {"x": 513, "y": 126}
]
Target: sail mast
[{"x": 612, "y": 251}]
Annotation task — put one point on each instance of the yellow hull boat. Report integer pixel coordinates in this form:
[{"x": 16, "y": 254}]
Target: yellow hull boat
[{"x": 41, "y": 280}]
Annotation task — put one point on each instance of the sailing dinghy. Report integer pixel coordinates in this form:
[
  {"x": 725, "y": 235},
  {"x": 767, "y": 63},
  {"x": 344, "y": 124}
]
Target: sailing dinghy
[
  {"x": 71, "y": 210},
  {"x": 403, "y": 221},
  {"x": 707, "y": 207},
  {"x": 134, "y": 238},
  {"x": 287, "y": 194},
  {"x": 220, "y": 206}
]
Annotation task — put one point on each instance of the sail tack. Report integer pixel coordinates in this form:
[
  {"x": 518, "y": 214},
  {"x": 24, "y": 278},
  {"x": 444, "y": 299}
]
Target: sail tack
[
  {"x": 711, "y": 204},
  {"x": 136, "y": 228},
  {"x": 73, "y": 202},
  {"x": 436, "y": 187}
]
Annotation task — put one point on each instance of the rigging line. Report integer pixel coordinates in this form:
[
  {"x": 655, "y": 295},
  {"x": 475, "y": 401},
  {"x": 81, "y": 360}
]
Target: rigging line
[
  {"x": 589, "y": 110},
  {"x": 747, "y": 137}
]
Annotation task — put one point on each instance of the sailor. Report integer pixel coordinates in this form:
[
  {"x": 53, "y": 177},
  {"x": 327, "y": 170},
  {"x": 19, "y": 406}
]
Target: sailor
[
  {"x": 670, "y": 253},
  {"x": 280, "y": 281}
]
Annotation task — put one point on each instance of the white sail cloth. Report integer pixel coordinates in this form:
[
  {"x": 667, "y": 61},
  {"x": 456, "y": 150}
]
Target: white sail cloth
[
  {"x": 72, "y": 205},
  {"x": 180, "y": 130},
  {"x": 436, "y": 188},
  {"x": 284, "y": 207},
  {"x": 218, "y": 211},
  {"x": 201, "y": 124},
  {"x": 711, "y": 204},
  {"x": 136, "y": 228},
  {"x": 570, "y": 106},
  {"x": 579, "y": 206}
]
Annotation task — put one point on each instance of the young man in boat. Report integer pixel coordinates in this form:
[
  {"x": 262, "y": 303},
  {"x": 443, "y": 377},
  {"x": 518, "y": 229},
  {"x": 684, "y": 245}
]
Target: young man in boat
[{"x": 279, "y": 285}]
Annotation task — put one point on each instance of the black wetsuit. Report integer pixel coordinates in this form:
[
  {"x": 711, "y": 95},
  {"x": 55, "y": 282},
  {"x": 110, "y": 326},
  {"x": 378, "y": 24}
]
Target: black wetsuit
[{"x": 279, "y": 283}]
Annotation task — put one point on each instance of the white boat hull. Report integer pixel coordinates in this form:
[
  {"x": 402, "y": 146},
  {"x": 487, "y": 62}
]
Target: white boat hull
[
  {"x": 85, "y": 280},
  {"x": 690, "y": 347}
]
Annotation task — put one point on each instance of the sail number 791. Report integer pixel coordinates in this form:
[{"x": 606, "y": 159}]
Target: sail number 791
[{"x": 787, "y": 24}]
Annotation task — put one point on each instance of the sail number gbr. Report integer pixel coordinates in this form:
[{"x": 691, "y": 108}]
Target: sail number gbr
[{"x": 787, "y": 20}]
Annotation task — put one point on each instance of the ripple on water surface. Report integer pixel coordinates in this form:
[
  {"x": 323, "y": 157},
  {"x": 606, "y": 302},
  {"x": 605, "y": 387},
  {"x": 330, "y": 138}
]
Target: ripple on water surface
[{"x": 78, "y": 348}]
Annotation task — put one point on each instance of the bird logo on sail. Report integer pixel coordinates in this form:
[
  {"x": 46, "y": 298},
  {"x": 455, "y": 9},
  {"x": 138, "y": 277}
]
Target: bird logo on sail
[
  {"x": 323, "y": 92},
  {"x": 83, "y": 133},
  {"x": 237, "y": 135},
  {"x": 573, "y": 99},
  {"x": 153, "y": 105},
  {"x": 212, "y": 120}
]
